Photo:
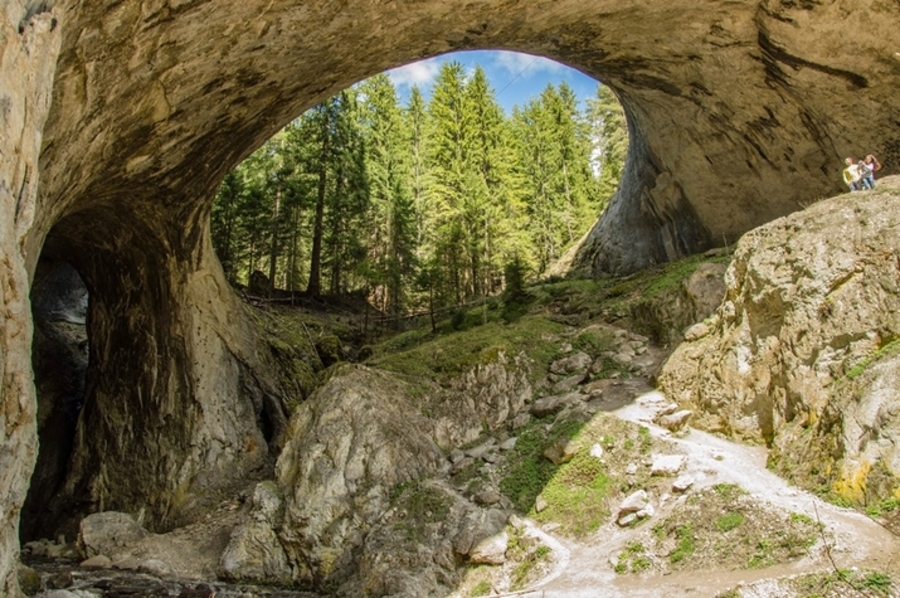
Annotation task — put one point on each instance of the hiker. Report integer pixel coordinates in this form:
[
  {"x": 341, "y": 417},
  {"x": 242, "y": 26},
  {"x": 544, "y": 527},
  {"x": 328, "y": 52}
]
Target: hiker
[
  {"x": 851, "y": 174},
  {"x": 867, "y": 170}
]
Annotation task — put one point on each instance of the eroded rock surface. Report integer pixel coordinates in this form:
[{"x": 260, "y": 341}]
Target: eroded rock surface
[
  {"x": 802, "y": 353},
  {"x": 359, "y": 508},
  {"x": 738, "y": 113}
]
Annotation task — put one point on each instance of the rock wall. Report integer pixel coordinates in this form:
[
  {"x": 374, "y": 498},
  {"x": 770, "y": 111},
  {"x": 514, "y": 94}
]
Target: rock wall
[
  {"x": 29, "y": 45},
  {"x": 739, "y": 112},
  {"x": 802, "y": 354}
]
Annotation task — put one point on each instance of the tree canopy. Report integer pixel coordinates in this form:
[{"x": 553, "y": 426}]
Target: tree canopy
[{"x": 430, "y": 202}]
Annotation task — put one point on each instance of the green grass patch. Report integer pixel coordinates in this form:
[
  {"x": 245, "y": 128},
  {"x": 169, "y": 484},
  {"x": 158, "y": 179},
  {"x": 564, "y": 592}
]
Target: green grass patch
[
  {"x": 685, "y": 546},
  {"x": 703, "y": 531},
  {"x": 525, "y": 571},
  {"x": 729, "y": 521},
  {"x": 633, "y": 559},
  {"x": 576, "y": 496},
  {"x": 444, "y": 356},
  {"x": 890, "y": 348},
  {"x": 528, "y": 471}
]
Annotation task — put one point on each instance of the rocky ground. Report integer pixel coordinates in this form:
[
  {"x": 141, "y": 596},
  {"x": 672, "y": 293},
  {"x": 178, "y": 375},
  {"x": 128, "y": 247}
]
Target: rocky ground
[{"x": 518, "y": 452}]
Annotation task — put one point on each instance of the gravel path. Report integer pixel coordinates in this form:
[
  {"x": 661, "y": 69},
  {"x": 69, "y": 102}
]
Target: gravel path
[{"x": 852, "y": 539}]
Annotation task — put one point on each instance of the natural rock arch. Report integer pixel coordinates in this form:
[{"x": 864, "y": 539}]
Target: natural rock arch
[{"x": 739, "y": 112}]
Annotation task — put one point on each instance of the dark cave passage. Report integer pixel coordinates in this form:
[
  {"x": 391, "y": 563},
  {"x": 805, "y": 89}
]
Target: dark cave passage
[{"x": 59, "y": 301}]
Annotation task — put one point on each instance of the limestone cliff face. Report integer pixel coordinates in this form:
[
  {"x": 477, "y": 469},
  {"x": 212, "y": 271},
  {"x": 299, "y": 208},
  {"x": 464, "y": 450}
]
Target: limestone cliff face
[
  {"x": 739, "y": 112},
  {"x": 802, "y": 353},
  {"x": 29, "y": 45}
]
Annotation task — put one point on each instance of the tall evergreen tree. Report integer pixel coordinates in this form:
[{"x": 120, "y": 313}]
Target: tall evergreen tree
[
  {"x": 610, "y": 134},
  {"x": 391, "y": 226}
]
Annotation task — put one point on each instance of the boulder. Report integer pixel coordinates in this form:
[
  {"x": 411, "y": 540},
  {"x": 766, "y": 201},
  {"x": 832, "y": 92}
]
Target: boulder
[
  {"x": 490, "y": 551},
  {"x": 98, "y": 561},
  {"x": 666, "y": 465},
  {"x": 348, "y": 447},
  {"x": 29, "y": 580},
  {"x": 561, "y": 452},
  {"x": 674, "y": 421},
  {"x": 108, "y": 533},
  {"x": 576, "y": 362}
]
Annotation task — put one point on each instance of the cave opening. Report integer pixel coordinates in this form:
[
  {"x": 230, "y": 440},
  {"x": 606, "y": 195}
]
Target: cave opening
[{"x": 60, "y": 354}]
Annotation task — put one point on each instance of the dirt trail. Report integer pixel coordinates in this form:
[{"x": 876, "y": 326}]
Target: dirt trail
[{"x": 852, "y": 539}]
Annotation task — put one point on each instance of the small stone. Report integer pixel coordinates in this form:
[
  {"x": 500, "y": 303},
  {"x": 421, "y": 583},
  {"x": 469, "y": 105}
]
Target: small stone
[
  {"x": 597, "y": 451},
  {"x": 540, "y": 504},
  {"x": 520, "y": 421},
  {"x": 462, "y": 465},
  {"x": 623, "y": 359},
  {"x": 508, "y": 444},
  {"x": 547, "y": 406},
  {"x": 560, "y": 452},
  {"x": 597, "y": 387},
  {"x": 577, "y": 362},
  {"x": 668, "y": 409},
  {"x": 98, "y": 561},
  {"x": 675, "y": 421},
  {"x": 632, "y": 469},
  {"x": 567, "y": 384},
  {"x": 646, "y": 512},
  {"x": 682, "y": 484},
  {"x": 60, "y": 580},
  {"x": 456, "y": 456},
  {"x": 666, "y": 465},
  {"x": 491, "y": 457},
  {"x": 517, "y": 522},
  {"x": 155, "y": 567},
  {"x": 487, "y": 496},
  {"x": 479, "y": 451},
  {"x": 634, "y": 502},
  {"x": 626, "y": 520}
]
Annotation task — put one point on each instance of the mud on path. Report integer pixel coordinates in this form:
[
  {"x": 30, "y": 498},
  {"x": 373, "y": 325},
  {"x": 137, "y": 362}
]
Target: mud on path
[{"x": 849, "y": 540}]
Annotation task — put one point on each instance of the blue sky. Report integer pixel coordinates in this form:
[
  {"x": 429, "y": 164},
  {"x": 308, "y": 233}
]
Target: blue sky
[{"x": 515, "y": 77}]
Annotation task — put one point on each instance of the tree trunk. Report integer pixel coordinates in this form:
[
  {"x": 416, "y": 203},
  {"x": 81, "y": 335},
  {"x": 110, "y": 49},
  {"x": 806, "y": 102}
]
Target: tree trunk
[
  {"x": 273, "y": 247},
  {"x": 314, "y": 287}
]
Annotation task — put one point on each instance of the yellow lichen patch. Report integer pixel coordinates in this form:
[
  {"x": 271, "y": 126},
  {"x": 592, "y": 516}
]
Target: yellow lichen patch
[
  {"x": 852, "y": 485},
  {"x": 327, "y": 558}
]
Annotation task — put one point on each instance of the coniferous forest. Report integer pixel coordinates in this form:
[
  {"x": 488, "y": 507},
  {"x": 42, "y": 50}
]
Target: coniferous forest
[{"x": 430, "y": 204}]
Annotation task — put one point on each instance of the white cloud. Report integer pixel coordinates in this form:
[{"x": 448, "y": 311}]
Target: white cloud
[
  {"x": 516, "y": 63},
  {"x": 416, "y": 73}
]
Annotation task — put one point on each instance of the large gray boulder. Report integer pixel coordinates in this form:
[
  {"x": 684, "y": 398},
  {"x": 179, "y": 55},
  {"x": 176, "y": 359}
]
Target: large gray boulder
[
  {"x": 802, "y": 354},
  {"x": 108, "y": 533},
  {"x": 359, "y": 436}
]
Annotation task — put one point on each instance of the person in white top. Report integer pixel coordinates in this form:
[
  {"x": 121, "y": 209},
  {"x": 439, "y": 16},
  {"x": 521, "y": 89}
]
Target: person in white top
[{"x": 851, "y": 174}]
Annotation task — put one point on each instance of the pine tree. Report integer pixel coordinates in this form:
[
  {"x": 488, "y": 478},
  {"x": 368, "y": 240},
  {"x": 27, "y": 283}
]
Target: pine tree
[
  {"x": 610, "y": 136},
  {"x": 391, "y": 230},
  {"x": 447, "y": 159}
]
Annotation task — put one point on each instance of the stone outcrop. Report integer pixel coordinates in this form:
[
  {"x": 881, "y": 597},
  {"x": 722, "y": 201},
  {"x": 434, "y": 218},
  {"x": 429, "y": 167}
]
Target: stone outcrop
[
  {"x": 360, "y": 510},
  {"x": 737, "y": 112},
  {"x": 802, "y": 354},
  {"x": 254, "y": 553}
]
